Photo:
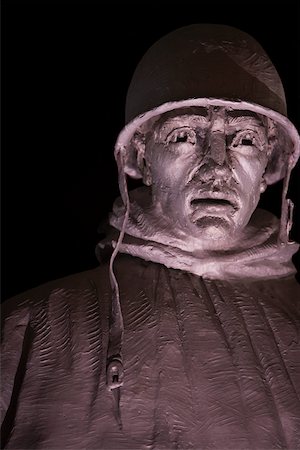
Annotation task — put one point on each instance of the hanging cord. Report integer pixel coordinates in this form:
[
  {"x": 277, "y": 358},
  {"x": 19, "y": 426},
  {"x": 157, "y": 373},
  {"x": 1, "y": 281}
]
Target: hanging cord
[
  {"x": 287, "y": 208},
  {"x": 114, "y": 366}
]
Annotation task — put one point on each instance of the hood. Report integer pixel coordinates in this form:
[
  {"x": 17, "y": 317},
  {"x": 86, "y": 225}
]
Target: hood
[{"x": 255, "y": 255}]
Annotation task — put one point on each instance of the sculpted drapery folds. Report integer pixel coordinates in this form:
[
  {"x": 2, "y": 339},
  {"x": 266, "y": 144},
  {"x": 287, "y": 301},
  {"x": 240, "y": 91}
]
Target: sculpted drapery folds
[{"x": 186, "y": 335}]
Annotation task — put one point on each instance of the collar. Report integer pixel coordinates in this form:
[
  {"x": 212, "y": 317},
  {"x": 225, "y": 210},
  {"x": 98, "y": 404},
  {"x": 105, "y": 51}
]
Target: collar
[{"x": 255, "y": 255}]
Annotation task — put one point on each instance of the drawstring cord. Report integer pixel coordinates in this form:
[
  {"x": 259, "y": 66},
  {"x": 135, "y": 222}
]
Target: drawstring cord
[{"x": 114, "y": 363}]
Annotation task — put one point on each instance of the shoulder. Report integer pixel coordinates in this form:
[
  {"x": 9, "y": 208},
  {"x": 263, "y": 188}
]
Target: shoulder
[{"x": 70, "y": 289}]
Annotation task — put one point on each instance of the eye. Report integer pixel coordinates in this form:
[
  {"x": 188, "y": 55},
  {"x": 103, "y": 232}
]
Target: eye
[
  {"x": 246, "y": 141},
  {"x": 181, "y": 135}
]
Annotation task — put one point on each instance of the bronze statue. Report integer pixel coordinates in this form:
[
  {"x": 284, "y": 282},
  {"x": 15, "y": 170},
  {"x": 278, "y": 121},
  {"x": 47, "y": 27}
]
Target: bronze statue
[{"x": 187, "y": 334}]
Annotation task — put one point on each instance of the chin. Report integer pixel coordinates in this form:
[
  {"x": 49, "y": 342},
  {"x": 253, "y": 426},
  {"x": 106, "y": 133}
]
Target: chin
[{"x": 213, "y": 229}]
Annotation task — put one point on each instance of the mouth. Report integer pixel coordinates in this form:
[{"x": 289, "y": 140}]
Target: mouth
[
  {"x": 213, "y": 201},
  {"x": 208, "y": 201},
  {"x": 214, "y": 205}
]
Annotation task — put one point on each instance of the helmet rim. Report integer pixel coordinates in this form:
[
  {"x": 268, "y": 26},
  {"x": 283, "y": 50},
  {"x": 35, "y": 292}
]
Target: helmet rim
[{"x": 278, "y": 171}]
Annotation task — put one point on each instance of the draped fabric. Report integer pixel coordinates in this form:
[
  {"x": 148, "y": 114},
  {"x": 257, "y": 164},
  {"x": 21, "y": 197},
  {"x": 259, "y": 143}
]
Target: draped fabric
[{"x": 209, "y": 364}]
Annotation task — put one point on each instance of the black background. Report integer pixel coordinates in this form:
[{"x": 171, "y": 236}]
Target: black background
[{"x": 66, "y": 67}]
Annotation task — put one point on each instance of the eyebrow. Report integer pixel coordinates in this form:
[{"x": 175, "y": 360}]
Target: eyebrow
[
  {"x": 240, "y": 116},
  {"x": 184, "y": 120}
]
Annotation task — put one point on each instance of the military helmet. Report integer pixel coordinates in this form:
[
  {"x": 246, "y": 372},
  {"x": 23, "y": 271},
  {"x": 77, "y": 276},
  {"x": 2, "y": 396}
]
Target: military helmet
[{"x": 209, "y": 65}]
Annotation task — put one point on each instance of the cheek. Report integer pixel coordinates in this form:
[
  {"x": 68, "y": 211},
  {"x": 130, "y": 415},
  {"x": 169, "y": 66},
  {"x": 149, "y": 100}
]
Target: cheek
[
  {"x": 169, "y": 169},
  {"x": 249, "y": 172}
]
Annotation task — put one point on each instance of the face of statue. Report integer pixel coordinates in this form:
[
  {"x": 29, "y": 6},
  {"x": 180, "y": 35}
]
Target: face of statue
[{"x": 206, "y": 170}]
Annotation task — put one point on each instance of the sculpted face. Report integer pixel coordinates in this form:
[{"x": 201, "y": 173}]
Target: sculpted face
[{"x": 206, "y": 170}]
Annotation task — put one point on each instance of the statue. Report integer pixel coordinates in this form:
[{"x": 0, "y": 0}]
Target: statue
[{"x": 187, "y": 334}]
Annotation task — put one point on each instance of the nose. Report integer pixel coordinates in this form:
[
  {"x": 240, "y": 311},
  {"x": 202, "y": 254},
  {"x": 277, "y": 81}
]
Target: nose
[
  {"x": 210, "y": 171},
  {"x": 217, "y": 147},
  {"x": 214, "y": 164},
  {"x": 216, "y": 137}
]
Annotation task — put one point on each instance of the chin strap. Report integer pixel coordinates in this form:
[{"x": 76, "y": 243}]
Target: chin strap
[
  {"x": 114, "y": 364},
  {"x": 287, "y": 208}
]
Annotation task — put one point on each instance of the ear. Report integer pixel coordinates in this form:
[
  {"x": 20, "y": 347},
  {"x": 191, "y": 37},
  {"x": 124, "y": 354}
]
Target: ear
[
  {"x": 139, "y": 160},
  {"x": 263, "y": 185}
]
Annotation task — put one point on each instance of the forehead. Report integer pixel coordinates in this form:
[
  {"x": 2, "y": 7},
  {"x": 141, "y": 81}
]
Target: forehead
[{"x": 200, "y": 116}]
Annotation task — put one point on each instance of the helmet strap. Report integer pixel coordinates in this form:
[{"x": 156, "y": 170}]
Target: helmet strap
[{"x": 287, "y": 208}]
